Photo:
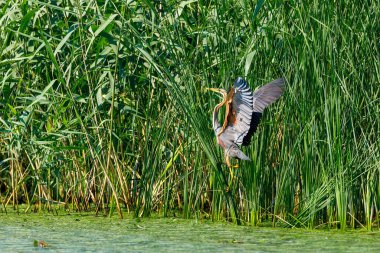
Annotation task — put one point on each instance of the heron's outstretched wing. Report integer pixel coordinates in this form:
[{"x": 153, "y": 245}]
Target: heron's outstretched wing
[
  {"x": 268, "y": 94},
  {"x": 246, "y": 109},
  {"x": 262, "y": 98}
]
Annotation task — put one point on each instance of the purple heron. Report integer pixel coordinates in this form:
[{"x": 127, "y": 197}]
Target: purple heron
[{"x": 243, "y": 112}]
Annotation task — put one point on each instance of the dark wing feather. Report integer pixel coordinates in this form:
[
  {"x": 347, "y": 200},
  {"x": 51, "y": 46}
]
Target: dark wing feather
[{"x": 256, "y": 117}]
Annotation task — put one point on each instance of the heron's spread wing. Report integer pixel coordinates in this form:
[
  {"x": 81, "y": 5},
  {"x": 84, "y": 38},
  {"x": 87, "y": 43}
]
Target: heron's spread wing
[
  {"x": 267, "y": 94},
  {"x": 246, "y": 109},
  {"x": 262, "y": 98}
]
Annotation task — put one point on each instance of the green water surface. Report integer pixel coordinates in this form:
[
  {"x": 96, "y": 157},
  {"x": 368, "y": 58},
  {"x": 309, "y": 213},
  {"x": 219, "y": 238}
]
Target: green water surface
[{"x": 87, "y": 233}]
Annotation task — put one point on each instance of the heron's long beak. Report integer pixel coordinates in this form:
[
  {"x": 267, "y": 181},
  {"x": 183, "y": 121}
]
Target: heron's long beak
[
  {"x": 213, "y": 89},
  {"x": 220, "y": 91}
]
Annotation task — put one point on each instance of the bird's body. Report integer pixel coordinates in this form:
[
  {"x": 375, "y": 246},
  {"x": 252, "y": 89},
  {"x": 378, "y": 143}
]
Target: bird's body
[{"x": 243, "y": 112}]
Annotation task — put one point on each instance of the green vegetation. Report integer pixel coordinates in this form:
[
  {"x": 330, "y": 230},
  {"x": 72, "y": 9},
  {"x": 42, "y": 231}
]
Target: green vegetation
[
  {"x": 76, "y": 232},
  {"x": 103, "y": 107}
]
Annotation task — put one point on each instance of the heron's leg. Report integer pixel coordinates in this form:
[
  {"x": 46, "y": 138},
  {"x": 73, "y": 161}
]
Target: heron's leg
[
  {"x": 229, "y": 163},
  {"x": 227, "y": 158},
  {"x": 231, "y": 175},
  {"x": 229, "y": 167}
]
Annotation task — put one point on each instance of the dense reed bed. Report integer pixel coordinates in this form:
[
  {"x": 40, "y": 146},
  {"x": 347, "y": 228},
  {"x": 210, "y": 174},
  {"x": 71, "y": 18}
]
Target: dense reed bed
[{"x": 103, "y": 108}]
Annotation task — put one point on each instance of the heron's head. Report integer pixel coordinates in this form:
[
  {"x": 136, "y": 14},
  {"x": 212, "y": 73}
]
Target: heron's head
[{"x": 220, "y": 91}]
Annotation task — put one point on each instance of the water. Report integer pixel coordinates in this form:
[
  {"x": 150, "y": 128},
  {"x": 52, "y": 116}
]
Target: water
[{"x": 86, "y": 233}]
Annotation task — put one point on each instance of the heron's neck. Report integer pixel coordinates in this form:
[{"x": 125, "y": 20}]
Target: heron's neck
[{"x": 215, "y": 122}]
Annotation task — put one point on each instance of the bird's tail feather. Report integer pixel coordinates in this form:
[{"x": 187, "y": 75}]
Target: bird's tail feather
[{"x": 242, "y": 156}]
